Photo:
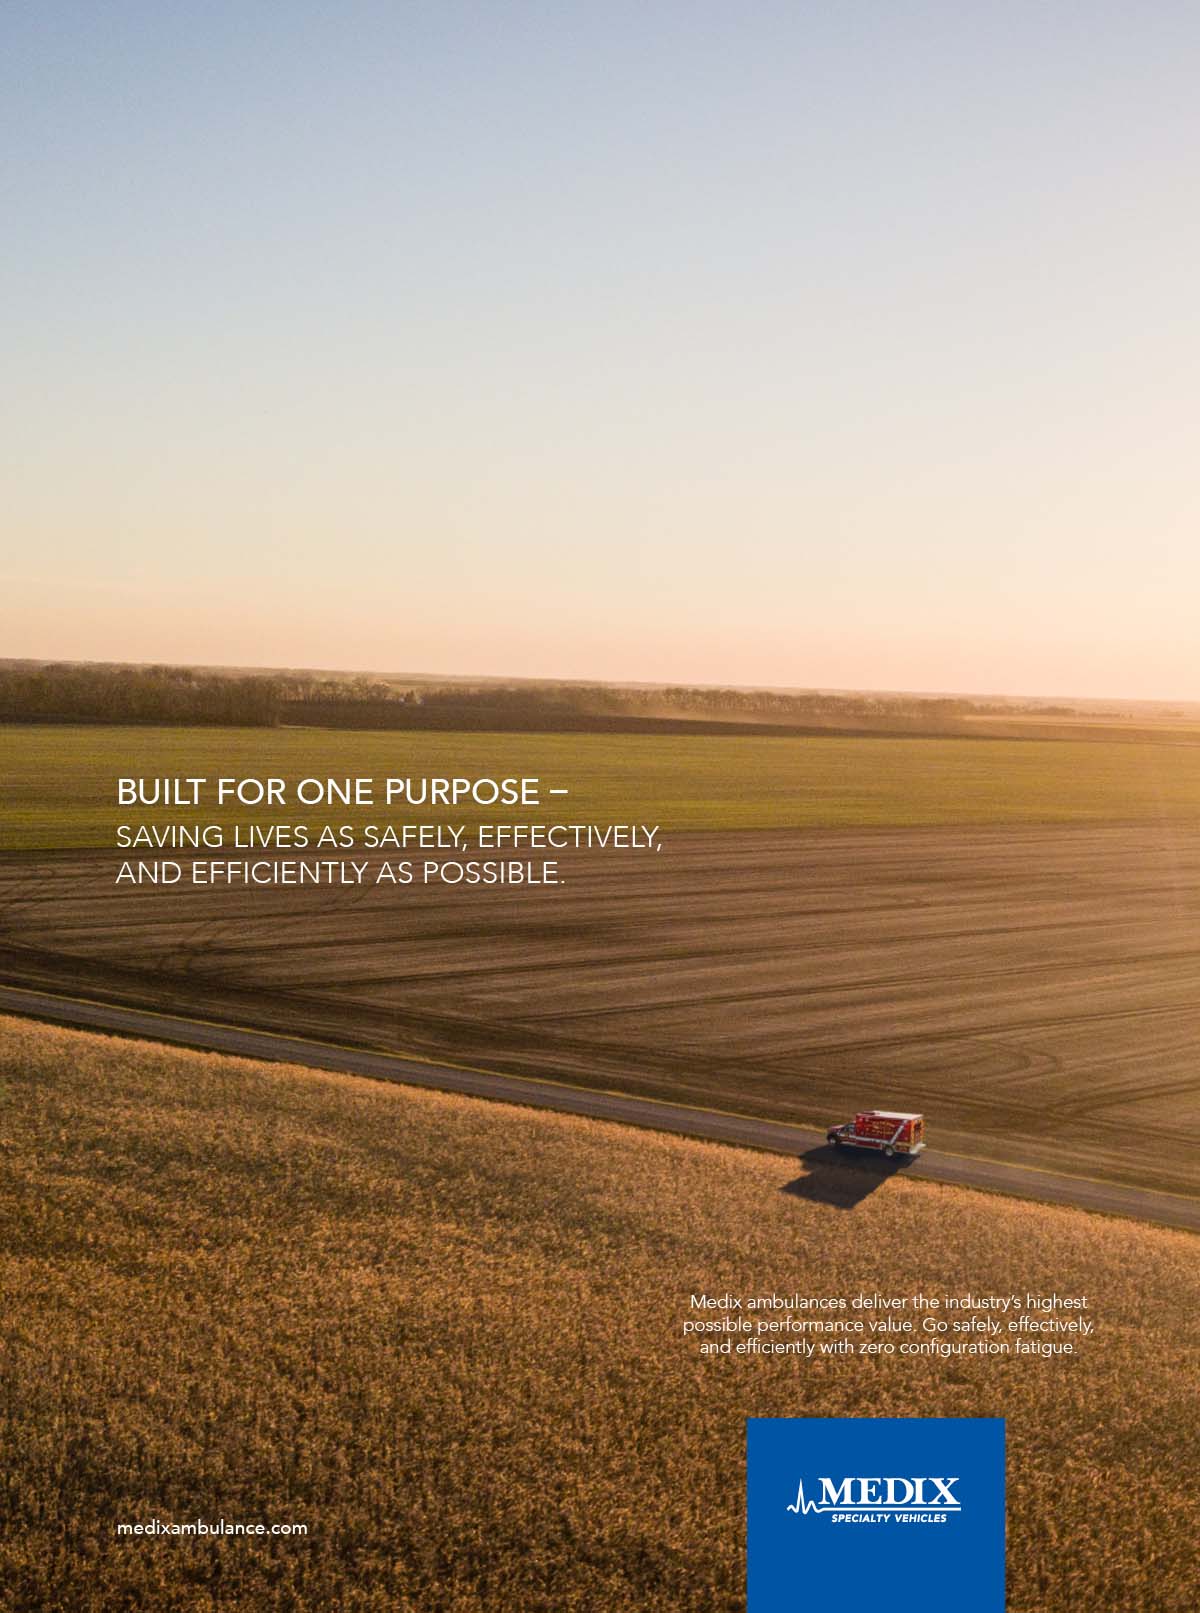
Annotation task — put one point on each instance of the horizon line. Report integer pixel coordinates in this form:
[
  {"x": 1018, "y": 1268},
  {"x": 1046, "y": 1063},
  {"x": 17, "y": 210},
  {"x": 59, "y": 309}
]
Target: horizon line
[{"x": 544, "y": 679}]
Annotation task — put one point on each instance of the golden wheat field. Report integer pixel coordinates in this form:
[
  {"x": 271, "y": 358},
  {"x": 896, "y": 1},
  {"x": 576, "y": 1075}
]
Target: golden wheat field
[{"x": 446, "y": 1336}]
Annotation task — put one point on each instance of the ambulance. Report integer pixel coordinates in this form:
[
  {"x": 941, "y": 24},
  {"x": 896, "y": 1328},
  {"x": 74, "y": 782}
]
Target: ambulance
[{"x": 883, "y": 1131}]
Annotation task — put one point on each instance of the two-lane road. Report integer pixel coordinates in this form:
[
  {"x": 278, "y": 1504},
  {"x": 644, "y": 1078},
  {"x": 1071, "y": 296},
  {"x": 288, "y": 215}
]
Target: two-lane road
[{"x": 714, "y": 1125}]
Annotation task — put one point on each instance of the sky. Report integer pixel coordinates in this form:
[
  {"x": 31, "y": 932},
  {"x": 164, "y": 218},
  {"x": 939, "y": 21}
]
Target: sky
[{"x": 799, "y": 344}]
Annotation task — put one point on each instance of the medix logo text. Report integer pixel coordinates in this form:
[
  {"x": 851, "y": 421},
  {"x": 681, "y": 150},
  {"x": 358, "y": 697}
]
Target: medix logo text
[
  {"x": 824, "y": 1492},
  {"x": 878, "y": 1494}
]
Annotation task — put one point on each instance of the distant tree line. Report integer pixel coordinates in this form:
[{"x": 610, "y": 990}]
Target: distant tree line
[
  {"x": 684, "y": 701},
  {"x": 759, "y": 705},
  {"x": 88, "y": 692},
  {"x": 157, "y": 694}
]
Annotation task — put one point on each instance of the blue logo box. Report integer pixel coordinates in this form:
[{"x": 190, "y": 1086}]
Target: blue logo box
[{"x": 875, "y": 1513}]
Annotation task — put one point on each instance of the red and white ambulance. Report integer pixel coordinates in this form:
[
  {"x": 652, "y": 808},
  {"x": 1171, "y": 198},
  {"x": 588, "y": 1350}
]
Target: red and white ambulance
[{"x": 883, "y": 1131}]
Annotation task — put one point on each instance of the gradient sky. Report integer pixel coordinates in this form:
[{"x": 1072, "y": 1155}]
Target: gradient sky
[{"x": 843, "y": 345}]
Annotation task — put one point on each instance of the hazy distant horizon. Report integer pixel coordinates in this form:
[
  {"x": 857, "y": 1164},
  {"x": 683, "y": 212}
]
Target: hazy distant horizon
[{"x": 506, "y": 678}]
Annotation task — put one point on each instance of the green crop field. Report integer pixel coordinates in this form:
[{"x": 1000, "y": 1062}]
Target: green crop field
[{"x": 60, "y": 780}]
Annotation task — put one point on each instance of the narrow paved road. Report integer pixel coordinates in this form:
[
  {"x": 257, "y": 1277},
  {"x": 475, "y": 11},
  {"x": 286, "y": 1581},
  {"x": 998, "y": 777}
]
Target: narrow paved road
[{"x": 1110, "y": 1198}]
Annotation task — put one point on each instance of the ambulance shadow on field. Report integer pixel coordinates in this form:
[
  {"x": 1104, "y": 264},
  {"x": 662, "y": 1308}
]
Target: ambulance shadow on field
[{"x": 830, "y": 1177}]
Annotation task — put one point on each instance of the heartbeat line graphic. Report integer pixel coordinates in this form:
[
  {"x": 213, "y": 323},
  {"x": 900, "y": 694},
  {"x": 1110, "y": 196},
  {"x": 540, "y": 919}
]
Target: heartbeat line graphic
[{"x": 802, "y": 1505}]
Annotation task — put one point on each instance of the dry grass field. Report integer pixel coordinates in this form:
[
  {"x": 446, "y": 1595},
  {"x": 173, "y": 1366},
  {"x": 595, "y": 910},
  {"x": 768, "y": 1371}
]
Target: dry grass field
[
  {"x": 1034, "y": 990},
  {"x": 444, "y": 1335}
]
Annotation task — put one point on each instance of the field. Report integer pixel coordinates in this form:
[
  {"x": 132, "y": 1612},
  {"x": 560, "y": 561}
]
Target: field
[
  {"x": 1034, "y": 991},
  {"x": 60, "y": 781},
  {"x": 1001, "y": 934},
  {"x": 445, "y": 1335}
]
